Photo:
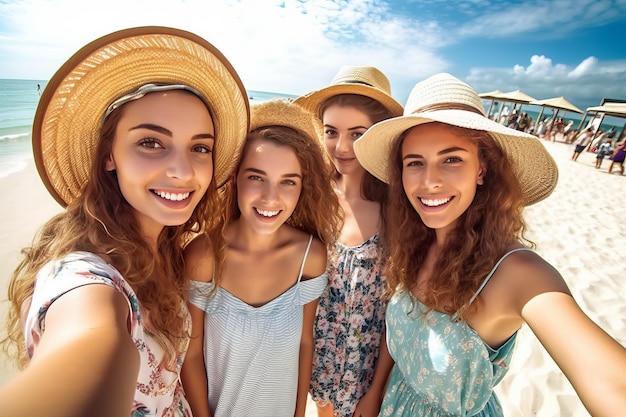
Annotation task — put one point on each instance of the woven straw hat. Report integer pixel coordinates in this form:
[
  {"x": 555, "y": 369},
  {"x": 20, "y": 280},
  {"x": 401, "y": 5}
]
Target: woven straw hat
[
  {"x": 446, "y": 99},
  {"x": 281, "y": 112},
  {"x": 73, "y": 105},
  {"x": 365, "y": 81}
]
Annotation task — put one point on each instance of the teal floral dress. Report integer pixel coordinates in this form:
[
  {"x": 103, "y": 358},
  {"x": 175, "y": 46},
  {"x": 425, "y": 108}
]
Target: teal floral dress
[
  {"x": 158, "y": 391},
  {"x": 442, "y": 366}
]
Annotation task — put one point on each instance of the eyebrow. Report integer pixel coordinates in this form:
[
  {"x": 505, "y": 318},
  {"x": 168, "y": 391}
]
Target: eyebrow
[
  {"x": 350, "y": 128},
  {"x": 167, "y": 132},
  {"x": 441, "y": 152},
  {"x": 261, "y": 172}
]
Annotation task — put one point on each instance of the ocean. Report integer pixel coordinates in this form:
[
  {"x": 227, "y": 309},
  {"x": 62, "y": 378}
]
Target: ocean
[
  {"x": 18, "y": 103},
  {"x": 19, "y": 98}
]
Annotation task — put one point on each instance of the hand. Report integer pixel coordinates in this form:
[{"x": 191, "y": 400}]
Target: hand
[{"x": 368, "y": 406}]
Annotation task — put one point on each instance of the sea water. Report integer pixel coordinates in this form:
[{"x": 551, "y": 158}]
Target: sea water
[{"x": 18, "y": 103}]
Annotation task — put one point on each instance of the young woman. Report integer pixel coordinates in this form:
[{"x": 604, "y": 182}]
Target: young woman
[
  {"x": 350, "y": 317},
  {"x": 463, "y": 276},
  {"x": 252, "y": 338},
  {"x": 133, "y": 151}
]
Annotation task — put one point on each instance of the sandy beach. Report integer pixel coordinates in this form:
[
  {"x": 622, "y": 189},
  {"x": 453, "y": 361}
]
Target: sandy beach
[{"x": 576, "y": 229}]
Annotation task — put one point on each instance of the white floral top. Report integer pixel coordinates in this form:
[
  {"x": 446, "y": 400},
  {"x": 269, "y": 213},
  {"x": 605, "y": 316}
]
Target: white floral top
[{"x": 159, "y": 391}]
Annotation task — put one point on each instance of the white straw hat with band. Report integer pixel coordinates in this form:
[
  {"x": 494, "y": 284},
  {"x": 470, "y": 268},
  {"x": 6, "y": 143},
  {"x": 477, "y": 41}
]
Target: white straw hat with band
[
  {"x": 446, "y": 99},
  {"x": 362, "y": 80},
  {"x": 124, "y": 66}
]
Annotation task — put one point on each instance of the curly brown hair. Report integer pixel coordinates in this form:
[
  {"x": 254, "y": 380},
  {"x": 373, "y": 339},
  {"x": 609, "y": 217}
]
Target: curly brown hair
[
  {"x": 484, "y": 232},
  {"x": 101, "y": 221},
  {"x": 318, "y": 211}
]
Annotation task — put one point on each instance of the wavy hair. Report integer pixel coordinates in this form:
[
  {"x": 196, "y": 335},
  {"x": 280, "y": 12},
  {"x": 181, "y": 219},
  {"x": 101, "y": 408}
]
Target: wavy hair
[
  {"x": 101, "y": 221},
  {"x": 484, "y": 232},
  {"x": 318, "y": 211}
]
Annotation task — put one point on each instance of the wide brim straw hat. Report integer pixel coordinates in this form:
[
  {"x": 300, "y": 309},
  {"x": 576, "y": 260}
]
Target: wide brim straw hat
[
  {"x": 72, "y": 107},
  {"x": 282, "y": 112},
  {"x": 446, "y": 99},
  {"x": 362, "y": 80}
]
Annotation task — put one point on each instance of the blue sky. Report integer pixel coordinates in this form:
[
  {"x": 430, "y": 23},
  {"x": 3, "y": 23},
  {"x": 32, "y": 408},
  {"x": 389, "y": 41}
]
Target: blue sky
[{"x": 546, "y": 48}]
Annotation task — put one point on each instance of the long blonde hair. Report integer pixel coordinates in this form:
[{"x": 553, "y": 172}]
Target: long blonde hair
[{"x": 101, "y": 221}]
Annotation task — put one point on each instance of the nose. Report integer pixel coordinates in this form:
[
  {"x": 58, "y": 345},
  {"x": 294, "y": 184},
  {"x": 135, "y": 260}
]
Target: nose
[
  {"x": 343, "y": 145},
  {"x": 432, "y": 176},
  {"x": 270, "y": 192},
  {"x": 180, "y": 165}
]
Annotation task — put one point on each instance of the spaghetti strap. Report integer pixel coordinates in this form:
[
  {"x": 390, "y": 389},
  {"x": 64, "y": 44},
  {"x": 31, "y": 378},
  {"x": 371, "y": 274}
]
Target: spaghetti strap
[
  {"x": 306, "y": 253},
  {"x": 493, "y": 270}
]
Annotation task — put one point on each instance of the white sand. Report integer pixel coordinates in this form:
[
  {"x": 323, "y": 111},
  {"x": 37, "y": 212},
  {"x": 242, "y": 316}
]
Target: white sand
[{"x": 576, "y": 229}]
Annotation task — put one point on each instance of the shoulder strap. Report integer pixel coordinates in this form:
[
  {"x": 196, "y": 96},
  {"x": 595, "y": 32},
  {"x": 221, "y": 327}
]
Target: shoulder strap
[
  {"x": 306, "y": 253},
  {"x": 493, "y": 270}
]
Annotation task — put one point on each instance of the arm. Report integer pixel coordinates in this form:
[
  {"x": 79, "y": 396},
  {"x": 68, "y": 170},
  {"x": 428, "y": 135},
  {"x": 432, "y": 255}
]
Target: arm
[
  {"x": 592, "y": 360},
  {"x": 199, "y": 267},
  {"x": 84, "y": 364},
  {"x": 369, "y": 404},
  {"x": 305, "y": 368}
]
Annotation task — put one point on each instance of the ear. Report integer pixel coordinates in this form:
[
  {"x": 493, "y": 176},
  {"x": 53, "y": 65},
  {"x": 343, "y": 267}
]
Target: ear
[
  {"x": 480, "y": 178},
  {"x": 109, "y": 164}
]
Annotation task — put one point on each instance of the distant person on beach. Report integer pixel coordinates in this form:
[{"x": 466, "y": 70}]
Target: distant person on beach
[
  {"x": 464, "y": 279},
  {"x": 351, "y": 314},
  {"x": 38, "y": 89},
  {"x": 604, "y": 148},
  {"x": 582, "y": 140},
  {"x": 134, "y": 151},
  {"x": 252, "y": 340},
  {"x": 619, "y": 154}
]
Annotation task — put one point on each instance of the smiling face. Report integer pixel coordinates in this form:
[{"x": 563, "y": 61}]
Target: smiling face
[
  {"x": 342, "y": 126},
  {"x": 162, "y": 155},
  {"x": 440, "y": 173},
  {"x": 269, "y": 183}
]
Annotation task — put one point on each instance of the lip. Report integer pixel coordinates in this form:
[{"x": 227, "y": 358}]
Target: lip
[
  {"x": 265, "y": 217},
  {"x": 174, "y": 199},
  {"x": 344, "y": 160},
  {"x": 434, "y": 203}
]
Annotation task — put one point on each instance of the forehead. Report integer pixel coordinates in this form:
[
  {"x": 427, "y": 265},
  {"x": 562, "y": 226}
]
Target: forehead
[
  {"x": 345, "y": 115},
  {"x": 438, "y": 136},
  {"x": 269, "y": 153}
]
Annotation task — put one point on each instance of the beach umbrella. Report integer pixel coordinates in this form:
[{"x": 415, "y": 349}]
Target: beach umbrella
[
  {"x": 493, "y": 96},
  {"x": 558, "y": 103},
  {"x": 517, "y": 97},
  {"x": 608, "y": 109}
]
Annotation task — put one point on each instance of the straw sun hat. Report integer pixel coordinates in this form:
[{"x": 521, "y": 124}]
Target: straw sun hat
[
  {"x": 281, "y": 112},
  {"x": 74, "y": 103},
  {"x": 365, "y": 81},
  {"x": 446, "y": 99}
]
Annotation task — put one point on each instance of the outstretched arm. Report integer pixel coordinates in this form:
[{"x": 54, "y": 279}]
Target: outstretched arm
[
  {"x": 85, "y": 363},
  {"x": 593, "y": 361}
]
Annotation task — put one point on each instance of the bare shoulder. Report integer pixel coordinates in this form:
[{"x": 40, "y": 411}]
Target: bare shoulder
[
  {"x": 199, "y": 259},
  {"x": 524, "y": 274},
  {"x": 315, "y": 264}
]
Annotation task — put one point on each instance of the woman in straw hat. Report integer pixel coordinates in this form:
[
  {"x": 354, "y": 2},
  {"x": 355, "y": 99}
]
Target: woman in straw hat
[
  {"x": 252, "y": 339},
  {"x": 350, "y": 317},
  {"x": 132, "y": 135},
  {"x": 464, "y": 277}
]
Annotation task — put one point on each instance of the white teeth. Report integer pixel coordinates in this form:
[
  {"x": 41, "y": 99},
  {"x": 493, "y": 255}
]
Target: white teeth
[
  {"x": 435, "y": 202},
  {"x": 172, "y": 196},
  {"x": 267, "y": 213}
]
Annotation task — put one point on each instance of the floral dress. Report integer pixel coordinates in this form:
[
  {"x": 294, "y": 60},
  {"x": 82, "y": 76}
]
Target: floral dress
[
  {"x": 442, "y": 366},
  {"x": 158, "y": 391},
  {"x": 349, "y": 326}
]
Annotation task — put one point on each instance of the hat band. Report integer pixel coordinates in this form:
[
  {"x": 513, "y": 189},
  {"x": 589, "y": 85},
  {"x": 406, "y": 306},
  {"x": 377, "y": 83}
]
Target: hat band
[
  {"x": 149, "y": 88},
  {"x": 356, "y": 82},
  {"x": 447, "y": 106}
]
